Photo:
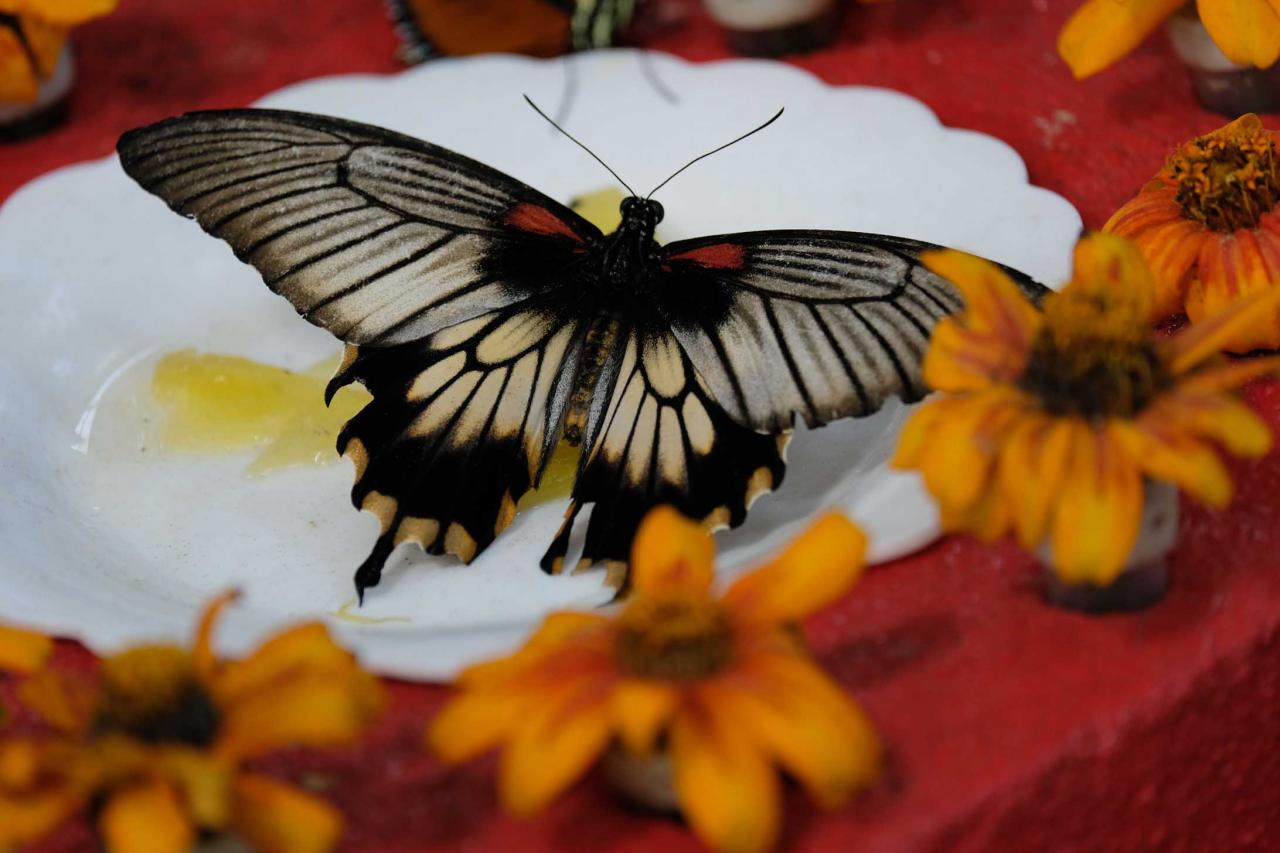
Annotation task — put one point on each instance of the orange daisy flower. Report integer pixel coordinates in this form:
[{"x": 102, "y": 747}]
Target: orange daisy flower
[
  {"x": 1103, "y": 31},
  {"x": 1209, "y": 227},
  {"x": 723, "y": 683},
  {"x": 32, "y": 34},
  {"x": 1048, "y": 423},
  {"x": 160, "y": 742}
]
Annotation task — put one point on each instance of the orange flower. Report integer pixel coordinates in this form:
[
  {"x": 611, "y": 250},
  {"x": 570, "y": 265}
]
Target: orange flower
[
  {"x": 1102, "y": 31},
  {"x": 23, "y": 651},
  {"x": 1209, "y": 228},
  {"x": 32, "y": 34},
  {"x": 724, "y": 684},
  {"x": 161, "y": 739},
  {"x": 1049, "y": 423}
]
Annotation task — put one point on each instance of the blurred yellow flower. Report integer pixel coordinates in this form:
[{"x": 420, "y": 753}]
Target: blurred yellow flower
[
  {"x": 32, "y": 34},
  {"x": 723, "y": 683},
  {"x": 1103, "y": 31},
  {"x": 1048, "y": 423},
  {"x": 160, "y": 739},
  {"x": 1209, "y": 227}
]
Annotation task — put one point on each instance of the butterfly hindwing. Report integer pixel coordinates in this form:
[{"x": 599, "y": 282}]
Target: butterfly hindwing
[
  {"x": 458, "y": 430},
  {"x": 378, "y": 237},
  {"x": 658, "y": 437},
  {"x": 820, "y": 324}
]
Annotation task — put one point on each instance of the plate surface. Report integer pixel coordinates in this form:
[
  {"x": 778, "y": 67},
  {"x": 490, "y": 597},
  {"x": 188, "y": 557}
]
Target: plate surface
[{"x": 110, "y": 543}]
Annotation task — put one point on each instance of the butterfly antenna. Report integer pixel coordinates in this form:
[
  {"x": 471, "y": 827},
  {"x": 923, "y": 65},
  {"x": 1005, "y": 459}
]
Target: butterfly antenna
[
  {"x": 538, "y": 110},
  {"x": 716, "y": 151}
]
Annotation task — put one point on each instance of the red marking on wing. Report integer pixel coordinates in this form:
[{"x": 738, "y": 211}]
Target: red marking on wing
[
  {"x": 721, "y": 256},
  {"x": 536, "y": 219}
]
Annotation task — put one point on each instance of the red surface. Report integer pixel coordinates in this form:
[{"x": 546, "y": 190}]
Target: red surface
[{"x": 1010, "y": 725}]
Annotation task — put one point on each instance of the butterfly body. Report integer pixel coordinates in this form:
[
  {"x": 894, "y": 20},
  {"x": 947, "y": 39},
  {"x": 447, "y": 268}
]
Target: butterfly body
[{"x": 489, "y": 321}]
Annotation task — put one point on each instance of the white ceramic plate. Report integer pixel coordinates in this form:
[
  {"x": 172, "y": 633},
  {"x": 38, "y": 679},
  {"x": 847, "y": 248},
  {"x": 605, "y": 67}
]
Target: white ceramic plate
[{"x": 107, "y": 542}]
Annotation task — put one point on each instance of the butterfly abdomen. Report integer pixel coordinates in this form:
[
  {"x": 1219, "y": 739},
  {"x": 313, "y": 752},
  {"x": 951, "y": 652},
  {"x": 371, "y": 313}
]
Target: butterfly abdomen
[{"x": 601, "y": 338}]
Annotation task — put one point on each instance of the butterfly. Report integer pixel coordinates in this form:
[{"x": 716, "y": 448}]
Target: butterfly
[
  {"x": 489, "y": 321},
  {"x": 430, "y": 28}
]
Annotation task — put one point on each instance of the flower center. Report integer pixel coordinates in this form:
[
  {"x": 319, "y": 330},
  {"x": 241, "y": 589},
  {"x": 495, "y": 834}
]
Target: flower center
[
  {"x": 1228, "y": 179},
  {"x": 152, "y": 693},
  {"x": 1095, "y": 358},
  {"x": 673, "y": 638}
]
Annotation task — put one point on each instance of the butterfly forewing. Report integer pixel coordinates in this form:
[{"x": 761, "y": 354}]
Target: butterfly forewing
[
  {"x": 819, "y": 324},
  {"x": 375, "y": 236}
]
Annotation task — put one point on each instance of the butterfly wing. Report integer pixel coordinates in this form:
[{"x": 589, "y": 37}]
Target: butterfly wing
[
  {"x": 378, "y": 237},
  {"x": 656, "y": 436},
  {"x": 459, "y": 429},
  {"x": 446, "y": 278},
  {"x": 820, "y": 324},
  {"x": 749, "y": 331}
]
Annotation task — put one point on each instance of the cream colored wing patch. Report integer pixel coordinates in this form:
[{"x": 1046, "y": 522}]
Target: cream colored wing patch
[
  {"x": 458, "y": 430},
  {"x": 661, "y": 439}
]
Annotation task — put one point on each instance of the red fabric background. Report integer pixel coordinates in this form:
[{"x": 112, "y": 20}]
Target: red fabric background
[{"x": 1010, "y": 725}]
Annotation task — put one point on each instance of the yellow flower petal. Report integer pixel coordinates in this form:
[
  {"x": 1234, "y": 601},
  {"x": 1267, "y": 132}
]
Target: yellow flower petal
[
  {"x": 589, "y": 635},
  {"x": 1111, "y": 268},
  {"x": 801, "y": 718},
  {"x": 1033, "y": 463},
  {"x": 314, "y": 709},
  {"x": 1165, "y": 455},
  {"x": 1247, "y": 31},
  {"x": 960, "y": 360},
  {"x": 988, "y": 518},
  {"x": 46, "y": 42},
  {"x": 671, "y": 554},
  {"x": 1227, "y": 421},
  {"x": 640, "y": 710},
  {"x": 204, "y": 781},
  {"x": 1154, "y": 208},
  {"x": 919, "y": 430},
  {"x": 277, "y": 818},
  {"x": 18, "y": 81},
  {"x": 146, "y": 818},
  {"x": 65, "y": 704},
  {"x": 203, "y": 657},
  {"x": 1098, "y": 513},
  {"x": 1170, "y": 252},
  {"x": 997, "y": 316},
  {"x": 305, "y": 647},
  {"x": 1232, "y": 305},
  {"x": 65, "y": 12},
  {"x": 23, "y": 651},
  {"x": 1102, "y": 31},
  {"x": 472, "y": 723},
  {"x": 727, "y": 790},
  {"x": 29, "y": 817},
  {"x": 959, "y": 459},
  {"x": 552, "y": 748},
  {"x": 1228, "y": 375},
  {"x": 817, "y": 567}
]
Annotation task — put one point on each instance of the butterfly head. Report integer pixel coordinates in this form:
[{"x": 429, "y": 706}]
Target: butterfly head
[{"x": 640, "y": 214}]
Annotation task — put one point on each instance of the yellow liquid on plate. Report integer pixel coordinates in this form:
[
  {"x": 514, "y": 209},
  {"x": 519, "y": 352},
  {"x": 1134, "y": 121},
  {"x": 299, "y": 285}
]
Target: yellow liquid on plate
[
  {"x": 345, "y": 613},
  {"x": 225, "y": 403}
]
